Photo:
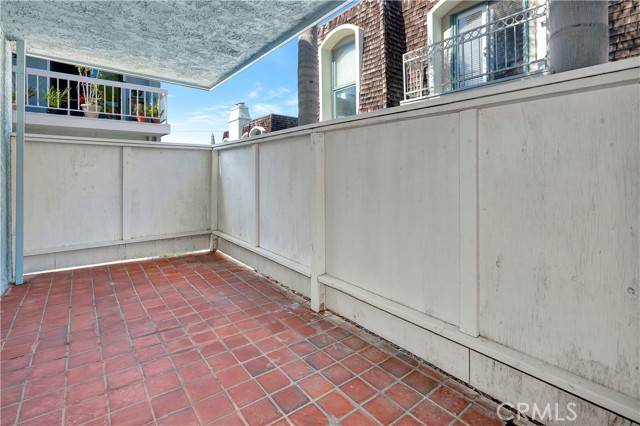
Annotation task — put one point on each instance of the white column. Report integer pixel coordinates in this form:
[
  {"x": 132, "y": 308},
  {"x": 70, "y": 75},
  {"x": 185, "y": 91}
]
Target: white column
[
  {"x": 469, "y": 222},
  {"x": 20, "y": 115},
  {"x": 318, "y": 262},
  {"x": 6, "y": 245}
]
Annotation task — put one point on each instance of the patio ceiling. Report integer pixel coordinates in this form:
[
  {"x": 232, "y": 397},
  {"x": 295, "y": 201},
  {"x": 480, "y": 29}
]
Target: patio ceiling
[{"x": 193, "y": 43}]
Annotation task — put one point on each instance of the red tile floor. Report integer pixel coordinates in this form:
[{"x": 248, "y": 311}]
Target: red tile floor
[{"x": 203, "y": 340}]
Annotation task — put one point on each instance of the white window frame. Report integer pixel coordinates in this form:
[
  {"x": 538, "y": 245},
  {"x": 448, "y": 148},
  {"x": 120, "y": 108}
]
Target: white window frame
[
  {"x": 325, "y": 56},
  {"x": 435, "y": 32}
]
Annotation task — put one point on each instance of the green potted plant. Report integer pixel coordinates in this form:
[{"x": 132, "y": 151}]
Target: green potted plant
[
  {"x": 56, "y": 99},
  {"x": 155, "y": 113},
  {"x": 90, "y": 94},
  {"x": 31, "y": 92},
  {"x": 138, "y": 109}
]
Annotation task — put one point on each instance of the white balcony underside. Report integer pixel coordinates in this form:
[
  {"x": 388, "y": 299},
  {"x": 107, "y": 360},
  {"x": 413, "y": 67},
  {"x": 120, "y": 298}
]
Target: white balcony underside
[{"x": 91, "y": 127}]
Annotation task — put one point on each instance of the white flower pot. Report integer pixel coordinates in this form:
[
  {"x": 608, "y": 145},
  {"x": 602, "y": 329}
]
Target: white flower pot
[{"x": 91, "y": 110}]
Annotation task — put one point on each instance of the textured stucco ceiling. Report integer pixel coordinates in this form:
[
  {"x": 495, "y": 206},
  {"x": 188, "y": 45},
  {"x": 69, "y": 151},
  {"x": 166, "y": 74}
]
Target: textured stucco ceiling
[{"x": 196, "y": 43}]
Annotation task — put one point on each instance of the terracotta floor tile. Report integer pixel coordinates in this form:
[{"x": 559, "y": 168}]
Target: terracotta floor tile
[
  {"x": 124, "y": 377},
  {"x": 162, "y": 383},
  {"x": 202, "y": 388},
  {"x": 383, "y": 410},
  {"x": 86, "y": 410},
  {"x": 186, "y": 416},
  {"x": 420, "y": 382},
  {"x": 360, "y": 418},
  {"x": 319, "y": 360},
  {"x": 396, "y": 367},
  {"x": 336, "y": 404},
  {"x": 169, "y": 402},
  {"x": 258, "y": 366},
  {"x": 337, "y": 374},
  {"x": 53, "y": 418},
  {"x": 212, "y": 408},
  {"x": 200, "y": 339},
  {"x": 86, "y": 390},
  {"x": 308, "y": 416},
  {"x": 194, "y": 371},
  {"x": 430, "y": 413},
  {"x": 315, "y": 385},
  {"x": 246, "y": 393},
  {"x": 378, "y": 378},
  {"x": 233, "y": 376},
  {"x": 41, "y": 386},
  {"x": 290, "y": 399},
  {"x": 358, "y": 390},
  {"x": 273, "y": 380},
  {"x": 409, "y": 420},
  {"x": 260, "y": 413},
  {"x": 157, "y": 366},
  {"x": 374, "y": 354},
  {"x": 221, "y": 361},
  {"x": 133, "y": 415},
  {"x": 447, "y": 398},
  {"x": 403, "y": 395},
  {"x": 41, "y": 405},
  {"x": 297, "y": 370}
]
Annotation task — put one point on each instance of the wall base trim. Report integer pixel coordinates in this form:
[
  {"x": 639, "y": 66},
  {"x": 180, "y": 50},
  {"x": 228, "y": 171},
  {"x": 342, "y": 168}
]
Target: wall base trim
[{"x": 592, "y": 392}]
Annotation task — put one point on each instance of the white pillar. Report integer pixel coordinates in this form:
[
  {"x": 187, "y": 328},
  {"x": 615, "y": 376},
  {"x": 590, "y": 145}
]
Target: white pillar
[
  {"x": 21, "y": 61},
  {"x": 6, "y": 245}
]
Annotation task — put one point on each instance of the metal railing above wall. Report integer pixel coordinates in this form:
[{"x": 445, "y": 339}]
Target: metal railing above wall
[
  {"x": 64, "y": 94},
  {"x": 512, "y": 46}
]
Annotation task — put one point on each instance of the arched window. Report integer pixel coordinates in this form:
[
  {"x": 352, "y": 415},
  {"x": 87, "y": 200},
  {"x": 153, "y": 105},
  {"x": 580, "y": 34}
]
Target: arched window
[{"x": 340, "y": 70}]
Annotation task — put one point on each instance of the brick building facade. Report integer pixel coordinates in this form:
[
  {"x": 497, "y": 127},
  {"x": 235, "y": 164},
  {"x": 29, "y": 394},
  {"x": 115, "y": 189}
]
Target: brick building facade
[
  {"x": 272, "y": 123},
  {"x": 392, "y": 28}
]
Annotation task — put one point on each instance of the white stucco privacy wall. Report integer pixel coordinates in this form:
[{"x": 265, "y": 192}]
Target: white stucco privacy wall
[
  {"x": 90, "y": 200},
  {"x": 492, "y": 232}
]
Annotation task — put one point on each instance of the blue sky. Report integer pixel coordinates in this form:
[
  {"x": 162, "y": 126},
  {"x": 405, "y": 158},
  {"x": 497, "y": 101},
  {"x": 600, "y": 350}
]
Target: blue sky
[{"x": 270, "y": 86}]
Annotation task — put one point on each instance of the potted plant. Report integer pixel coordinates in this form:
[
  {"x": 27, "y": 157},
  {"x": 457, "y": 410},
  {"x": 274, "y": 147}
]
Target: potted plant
[
  {"x": 139, "y": 110},
  {"x": 56, "y": 99},
  {"x": 155, "y": 113},
  {"x": 90, "y": 94},
  {"x": 31, "y": 92}
]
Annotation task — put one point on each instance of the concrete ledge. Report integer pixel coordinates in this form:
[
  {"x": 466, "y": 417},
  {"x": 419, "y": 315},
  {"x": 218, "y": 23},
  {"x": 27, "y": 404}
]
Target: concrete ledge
[
  {"x": 512, "y": 386},
  {"x": 116, "y": 252}
]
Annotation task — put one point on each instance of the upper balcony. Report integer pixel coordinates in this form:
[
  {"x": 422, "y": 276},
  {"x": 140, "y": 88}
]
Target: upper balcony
[
  {"x": 484, "y": 44},
  {"x": 56, "y": 104}
]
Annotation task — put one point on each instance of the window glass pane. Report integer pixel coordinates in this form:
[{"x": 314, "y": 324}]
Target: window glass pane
[
  {"x": 470, "y": 52},
  {"x": 344, "y": 60},
  {"x": 344, "y": 102}
]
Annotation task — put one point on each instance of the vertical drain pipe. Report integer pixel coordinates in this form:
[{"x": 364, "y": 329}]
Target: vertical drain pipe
[{"x": 20, "y": 114}]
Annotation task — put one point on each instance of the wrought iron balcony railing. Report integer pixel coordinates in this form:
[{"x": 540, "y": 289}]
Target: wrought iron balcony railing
[
  {"x": 76, "y": 95},
  {"x": 512, "y": 46}
]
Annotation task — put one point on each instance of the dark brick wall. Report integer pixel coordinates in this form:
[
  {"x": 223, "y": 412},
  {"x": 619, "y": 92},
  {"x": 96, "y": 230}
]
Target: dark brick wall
[
  {"x": 392, "y": 28},
  {"x": 367, "y": 15},
  {"x": 272, "y": 123},
  {"x": 624, "y": 29}
]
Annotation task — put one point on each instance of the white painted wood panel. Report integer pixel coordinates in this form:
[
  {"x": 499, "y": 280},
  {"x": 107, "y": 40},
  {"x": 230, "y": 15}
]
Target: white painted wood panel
[
  {"x": 286, "y": 198},
  {"x": 236, "y": 192},
  {"x": 73, "y": 194},
  {"x": 392, "y": 212},
  {"x": 166, "y": 191},
  {"x": 559, "y": 220}
]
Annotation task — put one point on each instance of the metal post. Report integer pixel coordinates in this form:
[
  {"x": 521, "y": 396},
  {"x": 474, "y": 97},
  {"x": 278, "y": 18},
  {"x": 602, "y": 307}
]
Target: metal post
[{"x": 20, "y": 115}]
